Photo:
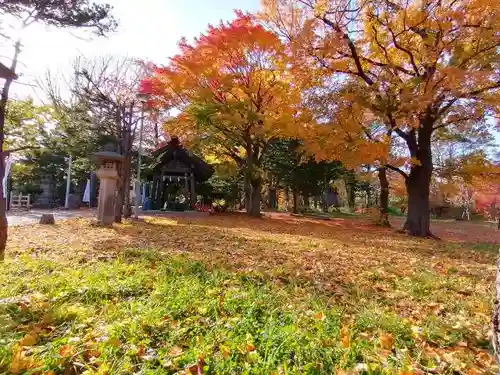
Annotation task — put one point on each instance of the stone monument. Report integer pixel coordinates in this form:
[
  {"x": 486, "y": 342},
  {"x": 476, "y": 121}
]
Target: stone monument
[
  {"x": 46, "y": 198},
  {"x": 107, "y": 173}
]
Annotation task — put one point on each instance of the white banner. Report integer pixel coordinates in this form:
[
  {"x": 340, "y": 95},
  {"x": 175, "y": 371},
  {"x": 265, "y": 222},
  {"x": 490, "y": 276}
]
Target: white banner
[
  {"x": 86, "y": 193},
  {"x": 8, "y": 165}
]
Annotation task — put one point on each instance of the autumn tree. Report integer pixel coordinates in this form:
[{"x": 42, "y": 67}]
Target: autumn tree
[
  {"x": 58, "y": 13},
  {"x": 107, "y": 88},
  {"x": 289, "y": 166},
  {"x": 416, "y": 66},
  {"x": 232, "y": 86}
]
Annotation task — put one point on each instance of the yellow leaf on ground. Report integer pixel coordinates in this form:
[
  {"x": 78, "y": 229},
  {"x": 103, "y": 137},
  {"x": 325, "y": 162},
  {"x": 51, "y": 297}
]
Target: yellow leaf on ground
[
  {"x": 114, "y": 342},
  {"x": 66, "y": 351},
  {"x": 29, "y": 339},
  {"x": 344, "y": 337},
  {"x": 17, "y": 363},
  {"x": 20, "y": 363}
]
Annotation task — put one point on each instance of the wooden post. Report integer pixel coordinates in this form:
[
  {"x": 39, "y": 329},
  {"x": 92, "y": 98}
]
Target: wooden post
[
  {"x": 160, "y": 192},
  {"x": 28, "y": 203},
  {"x": 186, "y": 190},
  {"x": 193, "y": 190}
]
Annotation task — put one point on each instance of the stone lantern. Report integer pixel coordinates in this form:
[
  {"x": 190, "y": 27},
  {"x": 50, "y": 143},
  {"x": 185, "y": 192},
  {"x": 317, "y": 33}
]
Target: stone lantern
[{"x": 107, "y": 173}]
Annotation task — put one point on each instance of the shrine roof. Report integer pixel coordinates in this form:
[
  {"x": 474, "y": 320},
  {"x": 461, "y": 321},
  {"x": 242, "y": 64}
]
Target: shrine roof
[{"x": 174, "y": 151}]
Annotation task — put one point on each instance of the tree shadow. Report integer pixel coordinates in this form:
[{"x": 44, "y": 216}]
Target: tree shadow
[
  {"x": 334, "y": 262},
  {"x": 359, "y": 232}
]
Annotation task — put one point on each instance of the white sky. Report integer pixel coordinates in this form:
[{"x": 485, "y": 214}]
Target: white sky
[{"x": 148, "y": 29}]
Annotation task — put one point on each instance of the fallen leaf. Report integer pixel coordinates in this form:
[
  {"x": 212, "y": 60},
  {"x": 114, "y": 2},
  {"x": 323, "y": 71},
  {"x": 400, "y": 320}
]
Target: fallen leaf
[
  {"x": 319, "y": 315},
  {"x": 386, "y": 341},
  {"x": 20, "y": 362},
  {"x": 250, "y": 347},
  {"x": 197, "y": 368},
  {"x": 114, "y": 342},
  {"x": 175, "y": 351},
  {"x": 140, "y": 352},
  {"x": 344, "y": 337},
  {"x": 91, "y": 353},
  {"x": 29, "y": 339},
  {"x": 66, "y": 351},
  {"x": 225, "y": 352}
]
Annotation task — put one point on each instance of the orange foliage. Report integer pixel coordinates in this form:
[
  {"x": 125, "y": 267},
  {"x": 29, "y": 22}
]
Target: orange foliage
[
  {"x": 410, "y": 67},
  {"x": 231, "y": 84}
]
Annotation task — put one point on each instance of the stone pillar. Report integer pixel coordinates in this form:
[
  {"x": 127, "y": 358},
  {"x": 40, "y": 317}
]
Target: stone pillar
[
  {"x": 106, "y": 203},
  {"x": 108, "y": 176}
]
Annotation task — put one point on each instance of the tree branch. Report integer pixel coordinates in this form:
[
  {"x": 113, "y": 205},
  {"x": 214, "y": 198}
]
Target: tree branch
[
  {"x": 407, "y": 51},
  {"x": 11, "y": 151},
  {"x": 396, "y": 169},
  {"x": 351, "y": 47}
]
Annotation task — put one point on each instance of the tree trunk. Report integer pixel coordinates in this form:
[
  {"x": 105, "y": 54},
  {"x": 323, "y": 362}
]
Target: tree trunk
[
  {"x": 255, "y": 198},
  {"x": 272, "y": 198},
  {"x": 247, "y": 190},
  {"x": 495, "y": 321},
  {"x": 384, "y": 198},
  {"x": 307, "y": 202},
  {"x": 127, "y": 210},
  {"x": 317, "y": 199},
  {"x": 369, "y": 202},
  {"x": 4, "y": 225},
  {"x": 287, "y": 198},
  {"x": 120, "y": 195},
  {"x": 324, "y": 202},
  {"x": 349, "y": 182},
  {"x": 295, "y": 200},
  {"x": 418, "y": 189}
]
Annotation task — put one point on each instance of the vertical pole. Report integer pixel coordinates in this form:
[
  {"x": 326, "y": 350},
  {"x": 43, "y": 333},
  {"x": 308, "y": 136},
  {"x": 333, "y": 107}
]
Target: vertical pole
[
  {"x": 68, "y": 184},
  {"x": 138, "y": 182},
  {"x": 193, "y": 190},
  {"x": 28, "y": 204},
  {"x": 187, "y": 194}
]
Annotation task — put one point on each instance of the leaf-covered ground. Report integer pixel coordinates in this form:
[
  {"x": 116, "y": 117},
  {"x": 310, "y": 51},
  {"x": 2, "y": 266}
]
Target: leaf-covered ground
[{"x": 232, "y": 295}]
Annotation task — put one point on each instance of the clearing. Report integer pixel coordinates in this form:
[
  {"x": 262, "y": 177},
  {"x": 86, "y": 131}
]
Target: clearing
[{"x": 232, "y": 295}]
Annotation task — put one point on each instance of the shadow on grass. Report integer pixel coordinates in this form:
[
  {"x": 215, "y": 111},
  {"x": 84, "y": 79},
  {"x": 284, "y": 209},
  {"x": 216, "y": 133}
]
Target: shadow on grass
[
  {"x": 356, "y": 233},
  {"x": 334, "y": 258}
]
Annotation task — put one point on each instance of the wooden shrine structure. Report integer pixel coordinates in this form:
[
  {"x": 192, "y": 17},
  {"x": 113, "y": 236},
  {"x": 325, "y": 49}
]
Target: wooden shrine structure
[{"x": 175, "y": 173}]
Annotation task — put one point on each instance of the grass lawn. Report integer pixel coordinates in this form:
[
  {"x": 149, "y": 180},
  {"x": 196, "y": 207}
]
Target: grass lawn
[{"x": 231, "y": 295}]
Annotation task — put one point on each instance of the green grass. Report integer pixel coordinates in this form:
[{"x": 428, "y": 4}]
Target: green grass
[
  {"x": 157, "y": 316},
  {"x": 241, "y": 296}
]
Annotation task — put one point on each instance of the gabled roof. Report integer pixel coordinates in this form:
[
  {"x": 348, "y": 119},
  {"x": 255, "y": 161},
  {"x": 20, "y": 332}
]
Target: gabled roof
[{"x": 174, "y": 151}]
